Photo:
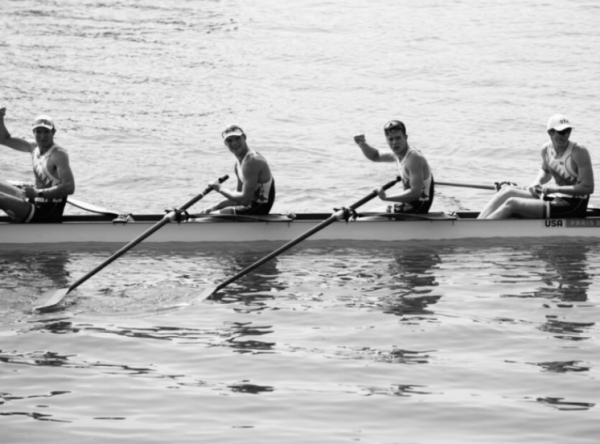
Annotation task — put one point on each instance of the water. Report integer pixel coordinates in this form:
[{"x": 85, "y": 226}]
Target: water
[{"x": 474, "y": 341}]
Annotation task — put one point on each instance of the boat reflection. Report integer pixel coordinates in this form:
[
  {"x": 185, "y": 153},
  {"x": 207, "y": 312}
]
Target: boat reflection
[
  {"x": 567, "y": 280},
  {"x": 566, "y": 275},
  {"x": 254, "y": 288},
  {"x": 414, "y": 282}
]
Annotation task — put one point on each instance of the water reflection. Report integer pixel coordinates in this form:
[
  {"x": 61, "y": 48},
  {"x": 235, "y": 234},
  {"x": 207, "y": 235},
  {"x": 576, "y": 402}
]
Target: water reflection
[
  {"x": 572, "y": 331},
  {"x": 254, "y": 346},
  {"x": 19, "y": 267},
  {"x": 252, "y": 389},
  {"x": 566, "y": 274},
  {"x": 562, "y": 404},
  {"x": 414, "y": 282},
  {"x": 26, "y": 274},
  {"x": 254, "y": 288}
]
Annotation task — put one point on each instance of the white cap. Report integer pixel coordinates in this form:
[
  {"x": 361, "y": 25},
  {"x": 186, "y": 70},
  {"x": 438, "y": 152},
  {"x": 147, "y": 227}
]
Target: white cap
[
  {"x": 558, "y": 122},
  {"x": 43, "y": 121},
  {"x": 232, "y": 130}
]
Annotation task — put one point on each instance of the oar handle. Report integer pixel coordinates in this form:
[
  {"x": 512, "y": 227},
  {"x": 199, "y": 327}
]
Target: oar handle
[
  {"x": 373, "y": 194},
  {"x": 165, "y": 220},
  {"x": 466, "y": 185},
  {"x": 201, "y": 195},
  {"x": 334, "y": 217}
]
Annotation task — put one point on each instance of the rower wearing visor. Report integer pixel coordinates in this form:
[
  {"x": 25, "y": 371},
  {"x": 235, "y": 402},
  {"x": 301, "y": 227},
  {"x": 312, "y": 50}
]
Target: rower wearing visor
[
  {"x": 568, "y": 163},
  {"x": 255, "y": 192},
  {"x": 417, "y": 179},
  {"x": 45, "y": 201}
]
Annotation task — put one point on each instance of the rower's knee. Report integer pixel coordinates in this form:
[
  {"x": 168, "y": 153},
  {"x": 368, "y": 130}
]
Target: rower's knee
[
  {"x": 508, "y": 192},
  {"x": 513, "y": 203}
]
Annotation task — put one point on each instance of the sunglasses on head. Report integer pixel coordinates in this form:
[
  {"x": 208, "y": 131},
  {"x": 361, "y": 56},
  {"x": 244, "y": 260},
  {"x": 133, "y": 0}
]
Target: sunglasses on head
[
  {"x": 393, "y": 126},
  {"x": 563, "y": 132}
]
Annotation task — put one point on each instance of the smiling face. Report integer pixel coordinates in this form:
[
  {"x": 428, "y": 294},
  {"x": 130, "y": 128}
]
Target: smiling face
[
  {"x": 560, "y": 139},
  {"x": 237, "y": 145},
  {"x": 44, "y": 137}
]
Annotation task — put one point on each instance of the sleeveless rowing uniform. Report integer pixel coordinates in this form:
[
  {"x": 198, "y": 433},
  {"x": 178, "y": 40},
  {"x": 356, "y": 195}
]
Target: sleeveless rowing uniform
[
  {"x": 43, "y": 209},
  {"x": 424, "y": 202},
  {"x": 263, "y": 197},
  {"x": 564, "y": 171}
]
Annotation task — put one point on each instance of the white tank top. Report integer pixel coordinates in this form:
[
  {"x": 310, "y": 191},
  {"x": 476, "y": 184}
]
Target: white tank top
[
  {"x": 43, "y": 176},
  {"x": 261, "y": 195},
  {"x": 406, "y": 177}
]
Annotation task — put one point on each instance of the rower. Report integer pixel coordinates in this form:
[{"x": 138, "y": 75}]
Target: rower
[
  {"x": 571, "y": 167},
  {"x": 255, "y": 193},
  {"x": 45, "y": 201},
  {"x": 417, "y": 178}
]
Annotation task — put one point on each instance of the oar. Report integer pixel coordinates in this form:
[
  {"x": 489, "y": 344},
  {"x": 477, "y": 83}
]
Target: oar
[
  {"x": 331, "y": 219},
  {"x": 466, "y": 185},
  {"x": 55, "y": 297},
  {"x": 494, "y": 187}
]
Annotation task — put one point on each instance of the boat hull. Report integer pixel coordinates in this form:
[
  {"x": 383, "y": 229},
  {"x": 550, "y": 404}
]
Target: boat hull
[{"x": 371, "y": 227}]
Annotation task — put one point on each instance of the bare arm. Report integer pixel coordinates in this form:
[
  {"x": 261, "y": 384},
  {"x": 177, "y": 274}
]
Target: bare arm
[
  {"x": 62, "y": 170},
  {"x": 245, "y": 190},
  {"x": 371, "y": 153},
  {"x": 12, "y": 142},
  {"x": 224, "y": 203},
  {"x": 415, "y": 167},
  {"x": 585, "y": 184},
  {"x": 537, "y": 185}
]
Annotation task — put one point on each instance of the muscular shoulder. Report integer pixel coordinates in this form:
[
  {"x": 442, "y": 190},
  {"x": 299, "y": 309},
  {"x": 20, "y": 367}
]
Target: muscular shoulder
[
  {"x": 578, "y": 147},
  {"x": 255, "y": 161},
  {"x": 416, "y": 158},
  {"x": 59, "y": 155},
  {"x": 255, "y": 165},
  {"x": 580, "y": 153}
]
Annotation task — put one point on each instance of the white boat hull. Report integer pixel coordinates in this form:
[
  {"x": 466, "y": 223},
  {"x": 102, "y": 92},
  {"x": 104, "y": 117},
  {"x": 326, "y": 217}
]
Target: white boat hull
[{"x": 92, "y": 229}]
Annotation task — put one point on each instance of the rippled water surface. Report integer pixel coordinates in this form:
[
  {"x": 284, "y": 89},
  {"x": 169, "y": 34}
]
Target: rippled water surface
[{"x": 431, "y": 342}]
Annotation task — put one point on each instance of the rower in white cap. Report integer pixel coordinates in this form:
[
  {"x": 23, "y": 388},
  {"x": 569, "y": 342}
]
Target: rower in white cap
[
  {"x": 45, "y": 200},
  {"x": 568, "y": 163}
]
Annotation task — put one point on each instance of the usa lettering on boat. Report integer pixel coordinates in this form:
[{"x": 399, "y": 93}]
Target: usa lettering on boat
[{"x": 554, "y": 223}]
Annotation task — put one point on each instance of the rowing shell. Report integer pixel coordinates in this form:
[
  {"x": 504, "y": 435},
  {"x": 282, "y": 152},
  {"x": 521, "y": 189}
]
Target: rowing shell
[{"x": 279, "y": 227}]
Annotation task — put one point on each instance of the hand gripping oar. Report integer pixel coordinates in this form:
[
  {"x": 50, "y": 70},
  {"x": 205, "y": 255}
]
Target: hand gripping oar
[
  {"x": 54, "y": 297},
  {"x": 494, "y": 187},
  {"x": 339, "y": 214}
]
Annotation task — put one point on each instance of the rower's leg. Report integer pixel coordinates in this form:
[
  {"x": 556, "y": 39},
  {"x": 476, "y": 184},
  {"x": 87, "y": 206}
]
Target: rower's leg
[
  {"x": 527, "y": 208},
  {"x": 500, "y": 198},
  {"x": 17, "y": 208},
  {"x": 10, "y": 189}
]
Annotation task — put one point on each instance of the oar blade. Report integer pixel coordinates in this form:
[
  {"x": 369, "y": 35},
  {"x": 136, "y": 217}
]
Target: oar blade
[
  {"x": 52, "y": 299},
  {"x": 207, "y": 294}
]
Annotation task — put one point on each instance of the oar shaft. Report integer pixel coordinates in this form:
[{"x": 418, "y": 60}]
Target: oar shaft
[
  {"x": 466, "y": 185},
  {"x": 278, "y": 251},
  {"x": 165, "y": 220},
  {"x": 121, "y": 252},
  {"x": 335, "y": 216}
]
